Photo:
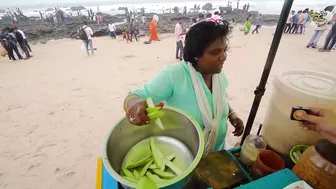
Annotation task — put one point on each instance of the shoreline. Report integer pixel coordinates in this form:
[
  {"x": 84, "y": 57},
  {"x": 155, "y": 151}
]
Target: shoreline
[{"x": 37, "y": 31}]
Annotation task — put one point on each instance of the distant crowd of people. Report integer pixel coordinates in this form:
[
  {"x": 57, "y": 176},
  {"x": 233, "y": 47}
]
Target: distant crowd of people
[
  {"x": 15, "y": 43},
  {"x": 297, "y": 22},
  {"x": 14, "y": 15},
  {"x": 323, "y": 21},
  {"x": 55, "y": 17}
]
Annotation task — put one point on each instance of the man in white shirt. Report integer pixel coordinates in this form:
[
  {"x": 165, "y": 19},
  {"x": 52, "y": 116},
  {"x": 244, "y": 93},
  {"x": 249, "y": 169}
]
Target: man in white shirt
[
  {"x": 289, "y": 22},
  {"x": 24, "y": 38},
  {"x": 112, "y": 29},
  {"x": 178, "y": 37},
  {"x": 144, "y": 20},
  {"x": 88, "y": 39},
  {"x": 321, "y": 26}
]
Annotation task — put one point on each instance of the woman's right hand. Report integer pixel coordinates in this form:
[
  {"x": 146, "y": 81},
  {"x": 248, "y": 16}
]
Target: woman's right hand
[{"x": 136, "y": 112}]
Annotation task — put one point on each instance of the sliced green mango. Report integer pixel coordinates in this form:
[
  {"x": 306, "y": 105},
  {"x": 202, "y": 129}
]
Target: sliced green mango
[
  {"x": 150, "y": 104},
  {"x": 137, "y": 156},
  {"x": 172, "y": 166},
  {"x": 140, "y": 162},
  {"x": 162, "y": 174},
  {"x": 130, "y": 179},
  {"x": 154, "y": 178},
  {"x": 159, "y": 153},
  {"x": 128, "y": 173},
  {"x": 170, "y": 157},
  {"x": 161, "y": 156},
  {"x": 136, "y": 174},
  {"x": 155, "y": 115},
  {"x": 153, "y": 166},
  {"x": 152, "y": 109},
  {"x": 146, "y": 183},
  {"x": 156, "y": 157},
  {"x": 145, "y": 168}
]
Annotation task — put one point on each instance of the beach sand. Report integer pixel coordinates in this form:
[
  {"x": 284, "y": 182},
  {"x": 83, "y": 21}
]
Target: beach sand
[{"x": 56, "y": 108}]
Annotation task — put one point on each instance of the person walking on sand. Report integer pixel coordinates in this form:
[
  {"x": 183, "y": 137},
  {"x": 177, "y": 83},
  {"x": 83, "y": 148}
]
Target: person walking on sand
[
  {"x": 112, "y": 29},
  {"x": 24, "y": 38},
  {"x": 85, "y": 34},
  {"x": 289, "y": 22},
  {"x": 258, "y": 23},
  {"x": 133, "y": 30},
  {"x": 295, "y": 22},
  {"x": 247, "y": 26},
  {"x": 179, "y": 39},
  {"x": 144, "y": 20},
  {"x": 302, "y": 21},
  {"x": 153, "y": 29},
  {"x": 321, "y": 26},
  {"x": 21, "y": 42},
  {"x": 331, "y": 38},
  {"x": 11, "y": 43}
]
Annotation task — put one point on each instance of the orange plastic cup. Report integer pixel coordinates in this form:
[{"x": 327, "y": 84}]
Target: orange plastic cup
[{"x": 268, "y": 162}]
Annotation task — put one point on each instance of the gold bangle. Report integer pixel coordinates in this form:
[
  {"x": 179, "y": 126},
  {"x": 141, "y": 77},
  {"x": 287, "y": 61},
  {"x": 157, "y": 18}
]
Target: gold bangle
[
  {"x": 231, "y": 113},
  {"x": 129, "y": 98}
]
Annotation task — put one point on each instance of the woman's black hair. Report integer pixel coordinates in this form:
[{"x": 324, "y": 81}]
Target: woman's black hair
[
  {"x": 248, "y": 17},
  {"x": 201, "y": 36}
]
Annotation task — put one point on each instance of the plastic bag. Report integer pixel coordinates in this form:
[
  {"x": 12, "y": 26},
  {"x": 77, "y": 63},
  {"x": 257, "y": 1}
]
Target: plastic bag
[{"x": 3, "y": 51}]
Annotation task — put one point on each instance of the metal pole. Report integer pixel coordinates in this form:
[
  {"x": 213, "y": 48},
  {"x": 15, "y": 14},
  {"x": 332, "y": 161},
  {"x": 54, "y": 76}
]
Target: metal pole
[{"x": 260, "y": 90}]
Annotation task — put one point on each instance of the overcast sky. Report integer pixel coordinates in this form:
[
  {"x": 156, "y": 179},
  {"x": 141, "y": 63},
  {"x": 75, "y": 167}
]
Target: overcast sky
[{"x": 32, "y": 2}]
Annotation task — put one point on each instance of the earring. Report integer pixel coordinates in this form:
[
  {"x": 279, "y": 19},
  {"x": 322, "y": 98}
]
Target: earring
[{"x": 195, "y": 58}]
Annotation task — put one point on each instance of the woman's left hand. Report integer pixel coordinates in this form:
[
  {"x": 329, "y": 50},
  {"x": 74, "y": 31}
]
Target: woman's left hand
[{"x": 237, "y": 123}]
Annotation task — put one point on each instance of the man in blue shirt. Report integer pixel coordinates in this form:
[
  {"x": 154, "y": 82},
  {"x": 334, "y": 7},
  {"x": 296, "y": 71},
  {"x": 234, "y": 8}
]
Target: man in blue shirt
[{"x": 295, "y": 22}]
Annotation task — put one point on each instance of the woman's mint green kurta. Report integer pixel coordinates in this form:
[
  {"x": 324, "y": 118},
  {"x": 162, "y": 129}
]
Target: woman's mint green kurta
[{"x": 174, "y": 86}]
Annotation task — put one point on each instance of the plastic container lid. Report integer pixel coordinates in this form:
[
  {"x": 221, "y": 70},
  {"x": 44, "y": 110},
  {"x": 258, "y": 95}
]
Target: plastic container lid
[{"x": 309, "y": 83}]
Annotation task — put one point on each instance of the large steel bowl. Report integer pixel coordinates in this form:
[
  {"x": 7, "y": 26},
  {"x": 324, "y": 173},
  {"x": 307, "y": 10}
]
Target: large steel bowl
[{"x": 182, "y": 135}]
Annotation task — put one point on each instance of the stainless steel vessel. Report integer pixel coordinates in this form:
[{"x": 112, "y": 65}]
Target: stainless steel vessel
[{"x": 182, "y": 135}]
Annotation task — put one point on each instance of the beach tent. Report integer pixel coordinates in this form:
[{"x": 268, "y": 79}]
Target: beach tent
[{"x": 260, "y": 90}]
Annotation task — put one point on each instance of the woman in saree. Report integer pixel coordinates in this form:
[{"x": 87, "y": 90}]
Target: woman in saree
[
  {"x": 196, "y": 85},
  {"x": 248, "y": 24},
  {"x": 153, "y": 29}
]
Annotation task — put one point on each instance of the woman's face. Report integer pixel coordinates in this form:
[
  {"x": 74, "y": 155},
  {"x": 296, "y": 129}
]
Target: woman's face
[{"x": 213, "y": 58}]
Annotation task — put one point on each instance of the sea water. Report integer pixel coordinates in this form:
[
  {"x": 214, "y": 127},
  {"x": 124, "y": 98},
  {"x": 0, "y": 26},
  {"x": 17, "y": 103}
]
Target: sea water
[{"x": 159, "y": 6}]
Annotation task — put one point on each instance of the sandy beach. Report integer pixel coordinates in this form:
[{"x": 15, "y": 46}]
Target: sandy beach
[{"x": 56, "y": 108}]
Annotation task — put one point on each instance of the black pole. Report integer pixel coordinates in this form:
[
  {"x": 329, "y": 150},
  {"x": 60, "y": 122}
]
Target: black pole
[{"x": 260, "y": 90}]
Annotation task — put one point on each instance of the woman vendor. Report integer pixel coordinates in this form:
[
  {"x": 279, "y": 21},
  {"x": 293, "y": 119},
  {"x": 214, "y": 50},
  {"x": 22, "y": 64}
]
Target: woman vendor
[{"x": 197, "y": 85}]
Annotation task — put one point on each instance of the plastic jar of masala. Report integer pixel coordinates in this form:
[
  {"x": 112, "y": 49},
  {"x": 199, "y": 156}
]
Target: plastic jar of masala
[{"x": 317, "y": 165}]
